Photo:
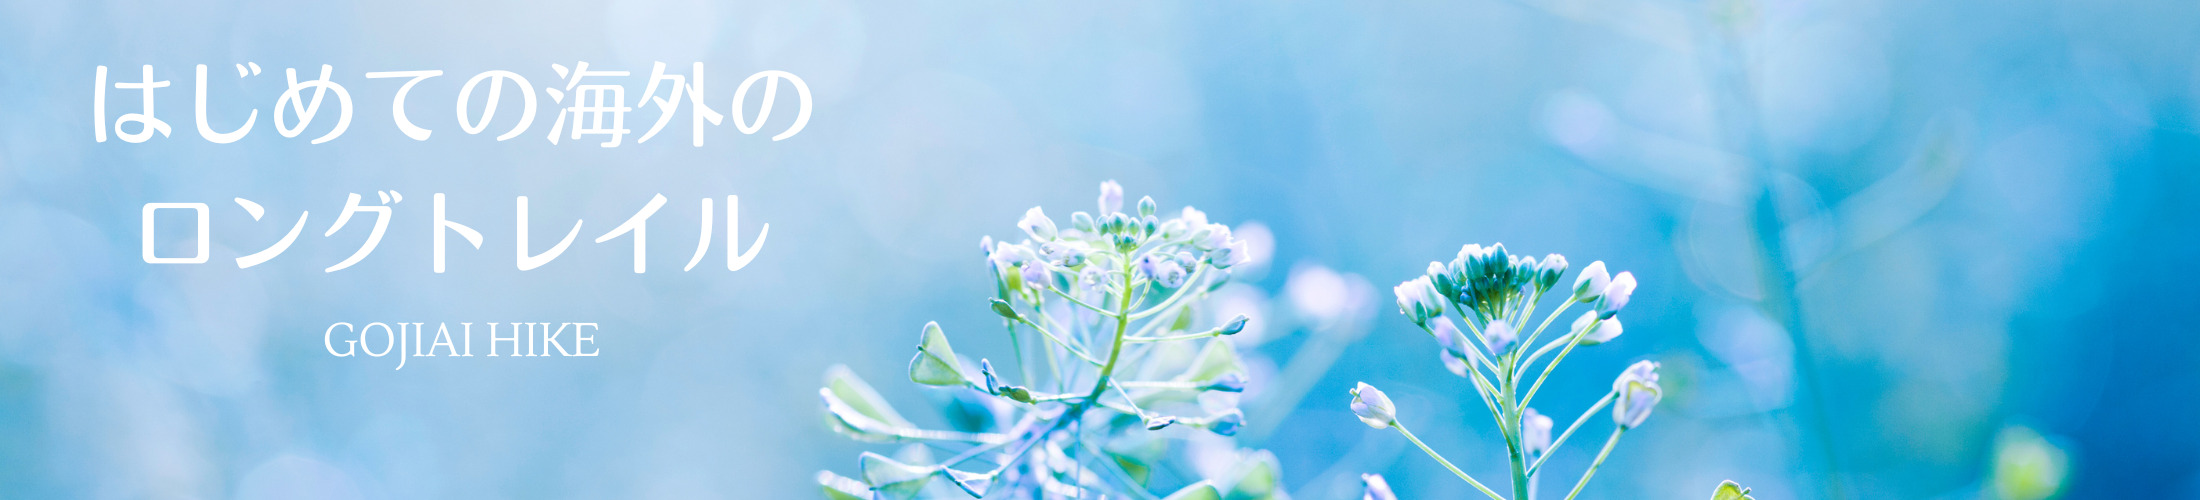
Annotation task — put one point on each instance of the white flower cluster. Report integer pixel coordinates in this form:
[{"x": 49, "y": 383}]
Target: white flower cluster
[
  {"x": 1495, "y": 294},
  {"x": 1115, "y": 368}
]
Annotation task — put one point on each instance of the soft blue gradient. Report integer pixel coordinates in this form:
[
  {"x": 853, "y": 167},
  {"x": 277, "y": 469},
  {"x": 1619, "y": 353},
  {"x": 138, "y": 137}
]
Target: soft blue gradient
[{"x": 1983, "y": 208}]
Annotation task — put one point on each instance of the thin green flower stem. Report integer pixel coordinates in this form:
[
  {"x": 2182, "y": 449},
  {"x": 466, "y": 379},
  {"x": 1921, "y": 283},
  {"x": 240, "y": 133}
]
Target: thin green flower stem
[
  {"x": 1039, "y": 310},
  {"x": 1073, "y": 300},
  {"x": 1572, "y": 341},
  {"x": 1593, "y": 409},
  {"x": 1539, "y": 331},
  {"x": 1147, "y": 330},
  {"x": 1115, "y": 471},
  {"x": 1601, "y": 455},
  {"x": 1176, "y": 385},
  {"x": 1217, "y": 332},
  {"x": 1200, "y": 273},
  {"x": 1016, "y": 343},
  {"x": 1128, "y": 400},
  {"x": 1508, "y": 425},
  {"x": 1481, "y": 387},
  {"x": 1058, "y": 340},
  {"x": 1122, "y": 322},
  {"x": 1447, "y": 463},
  {"x": 1474, "y": 355}
]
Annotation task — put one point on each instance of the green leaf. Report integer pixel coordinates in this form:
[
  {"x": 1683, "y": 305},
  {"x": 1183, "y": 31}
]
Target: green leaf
[
  {"x": 894, "y": 480},
  {"x": 935, "y": 363},
  {"x": 1215, "y": 359},
  {"x": 854, "y": 409},
  {"x": 1259, "y": 478},
  {"x": 1202, "y": 490},
  {"x": 1728, "y": 490},
  {"x": 839, "y": 487}
]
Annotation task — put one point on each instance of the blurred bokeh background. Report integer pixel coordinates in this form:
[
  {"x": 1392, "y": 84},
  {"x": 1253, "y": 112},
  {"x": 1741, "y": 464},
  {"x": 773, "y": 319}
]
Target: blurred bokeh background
[{"x": 1872, "y": 235}]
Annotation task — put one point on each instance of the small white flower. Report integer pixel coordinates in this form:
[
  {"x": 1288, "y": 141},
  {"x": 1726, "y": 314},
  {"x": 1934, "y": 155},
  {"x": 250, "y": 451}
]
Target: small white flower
[
  {"x": 1373, "y": 407},
  {"x": 1162, "y": 270},
  {"x": 1036, "y": 275},
  {"x": 1193, "y": 217},
  {"x": 1111, "y": 197},
  {"x": 1211, "y": 236},
  {"x": 1606, "y": 330},
  {"x": 1232, "y": 255},
  {"x": 1592, "y": 281},
  {"x": 1549, "y": 270},
  {"x": 1036, "y": 224},
  {"x": 1417, "y": 299},
  {"x": 1449, "y": 337},
  {"x": 1638, "y": 393},
  {"x": 1008, "y": 255},
  {"x": 1062, "y": 252},
  {"x": 1616, "y": 295},
  {"x": 1536, "y": 431},
  {"x": 1500, "y": 335},
  {"x": 1375, "y": 488},
  {"x": 1645, "y": 370}
]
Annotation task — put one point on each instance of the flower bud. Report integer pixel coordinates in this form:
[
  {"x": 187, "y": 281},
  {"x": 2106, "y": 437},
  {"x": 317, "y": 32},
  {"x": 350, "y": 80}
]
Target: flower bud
[
  {"x": 1635, "y": 403},
  {"x": 1159, "y": 422},
  {"x": 1500, "y": 335},
  {"x": 1036, "y": 224},
  {"x": 1162, "y": 270},
  {"x": 1228, "y": 382},
  {"x": 1452, "y": 362},
  {"x": 1192, "y": 217},
  {"x": 1017, "y": 393},
  {"x": 1417, "y": 299},
  {"x": 1036, "y": 274},
  {"x": 1002, "y": 308},
  {"x": 1548, "y": 271},
  {"x": 1082, "y": 222},
  {"x": 1234, "y": 254},
  {"x": 1592, "y": 281},
  {"x": 1606, "y": 329},
  {"x": 1174, "y": 229},
  {"x": 1616, "y": 294},
  {"x": 1115, "y": 223},
  {"x": 985, "y": 370},
  {"x": 1638, "y": 393},
  {"x": 1111, "y": 197},
  {"x": 1449, "y": 337},
  {"x": 1227, "y": 423},
  {"x": 1146, "y": 206},
  {"x": 1535, "y": 431},
  {"x": 1373, "y": 407},
  {"x": 1235, "y": 325},
  {"x": 1375, "y": 488},
  {"x": 1211, "y": 237}
]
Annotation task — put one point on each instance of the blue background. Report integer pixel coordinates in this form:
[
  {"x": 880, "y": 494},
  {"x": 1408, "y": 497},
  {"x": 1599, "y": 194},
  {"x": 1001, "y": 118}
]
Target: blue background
[{"x": 1978, "y": 209}]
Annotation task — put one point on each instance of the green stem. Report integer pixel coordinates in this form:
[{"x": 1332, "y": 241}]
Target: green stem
[
  {"x": 1572, "y": 340},
  {"x": 1189, "y": 283},
  {"x": 1122, "y": 323},
  {"x": 1601, "y": 455},
  {"x": 1058, "y": 340},
  {"x": 1593, "y": 409},
  {"x": 1447, "y": 463}
]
